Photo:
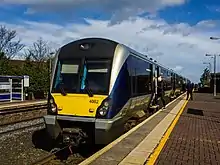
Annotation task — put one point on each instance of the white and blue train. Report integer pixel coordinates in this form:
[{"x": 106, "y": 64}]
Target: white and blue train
[{"x": 98, "y": 85}]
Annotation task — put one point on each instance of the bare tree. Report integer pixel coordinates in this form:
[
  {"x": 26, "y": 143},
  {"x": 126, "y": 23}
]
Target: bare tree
[
  {"x": 7, "y": 44},
  {"x": 40, "y": 51}
]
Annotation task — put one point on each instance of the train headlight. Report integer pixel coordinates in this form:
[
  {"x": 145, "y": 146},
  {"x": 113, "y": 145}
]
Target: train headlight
[
  {"x": 52, "y": 107},
  {"x": 103, "y": 108},
  {"x": 106, "y": 104},
  {"x": 51, "y": 101},
  {"x": 103, "y": 111}
]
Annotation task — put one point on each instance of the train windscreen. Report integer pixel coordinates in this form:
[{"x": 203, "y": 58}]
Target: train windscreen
[
  {"x": 96, "y": 76},
  {"x": 73, "y": 77}
]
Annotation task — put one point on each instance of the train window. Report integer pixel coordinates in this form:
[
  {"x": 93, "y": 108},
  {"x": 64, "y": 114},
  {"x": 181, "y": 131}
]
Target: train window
[
  {"x": 66, "y": 76},
  {"x": 141, "y": 74},
  {"x": 98, "y": 75},
  {"x": 163, "y": 73},
  {"x": 167, "y": 79},
  {"x": 68, "y": 68},
  {"x": 177, "y": 80},
  {"x": 105, "y": 70}
]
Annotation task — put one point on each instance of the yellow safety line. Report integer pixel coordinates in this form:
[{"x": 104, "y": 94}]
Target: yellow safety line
[{"x": 159, "y": 148}]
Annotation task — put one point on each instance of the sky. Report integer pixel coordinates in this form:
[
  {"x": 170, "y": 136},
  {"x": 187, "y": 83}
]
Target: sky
[{"x": 174, "y": 32}]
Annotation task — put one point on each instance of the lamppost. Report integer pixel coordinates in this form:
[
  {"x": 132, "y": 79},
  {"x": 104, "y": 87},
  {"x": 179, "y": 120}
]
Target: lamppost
[
  {"x": 214, "y": 56},
  {"x": 214, "y": 38}
]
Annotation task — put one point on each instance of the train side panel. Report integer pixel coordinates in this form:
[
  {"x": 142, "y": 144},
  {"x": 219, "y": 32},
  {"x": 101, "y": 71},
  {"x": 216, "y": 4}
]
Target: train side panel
[{"x": 130, "y": 94}]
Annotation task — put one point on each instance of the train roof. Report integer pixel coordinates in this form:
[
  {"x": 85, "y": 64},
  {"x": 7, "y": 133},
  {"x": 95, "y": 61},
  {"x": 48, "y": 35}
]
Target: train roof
[
  {"x": 111, "y": 44},
  {"x": 105, "y": 48}
]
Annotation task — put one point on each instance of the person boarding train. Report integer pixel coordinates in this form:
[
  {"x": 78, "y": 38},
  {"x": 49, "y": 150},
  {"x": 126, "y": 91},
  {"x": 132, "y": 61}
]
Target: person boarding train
[{"x": 160, "y": 91}]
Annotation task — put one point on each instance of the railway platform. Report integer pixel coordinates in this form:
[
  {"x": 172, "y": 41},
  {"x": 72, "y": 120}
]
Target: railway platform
[
  {"x": 196, "y": 136},
  {"x": 186, "y": 132},
  {"x": 20, "y": 104}
]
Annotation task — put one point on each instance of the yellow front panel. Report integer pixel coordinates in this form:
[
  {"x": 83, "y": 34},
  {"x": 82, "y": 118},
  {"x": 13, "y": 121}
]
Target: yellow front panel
[{"x": 78, "y": 104}]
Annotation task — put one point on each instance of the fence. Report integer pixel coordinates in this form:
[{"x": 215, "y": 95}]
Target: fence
[{"x": 12, "y": 88}]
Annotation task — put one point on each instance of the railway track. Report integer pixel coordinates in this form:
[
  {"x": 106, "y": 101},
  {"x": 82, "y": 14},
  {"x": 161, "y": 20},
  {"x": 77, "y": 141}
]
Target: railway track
[
  {"x": 75, "y": 156},
  {"x": 21, "y": 107},
  {"x": 20, "y": 116},
  {"x": 65, "y": 156},
  {"x": 18, "y": 112},
  {"x": 25, "y": 102},
  {"x": 50, "y": 157},
  {"x": 17, "y": 118},
  {"x": 28, "y": 122},
  {"x": 19, "y": 126}
]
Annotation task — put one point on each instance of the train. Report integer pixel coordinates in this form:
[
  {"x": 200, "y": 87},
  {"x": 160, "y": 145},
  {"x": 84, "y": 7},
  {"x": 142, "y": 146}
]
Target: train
[{"x": 98, "y": 85}]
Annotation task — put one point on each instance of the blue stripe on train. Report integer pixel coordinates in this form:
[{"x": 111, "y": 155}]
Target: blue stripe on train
[{"x": 121, "y": 91}]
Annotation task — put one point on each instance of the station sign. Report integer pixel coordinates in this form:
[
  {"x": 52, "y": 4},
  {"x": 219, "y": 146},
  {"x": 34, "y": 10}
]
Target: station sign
[{"x": 26, "y": 81}]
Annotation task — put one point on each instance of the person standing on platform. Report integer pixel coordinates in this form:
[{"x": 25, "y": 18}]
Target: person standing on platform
[
  {"x": 160, "y": 91},
  {"x": 184, "y": 87},
  {"x": 189, "y": 88}
]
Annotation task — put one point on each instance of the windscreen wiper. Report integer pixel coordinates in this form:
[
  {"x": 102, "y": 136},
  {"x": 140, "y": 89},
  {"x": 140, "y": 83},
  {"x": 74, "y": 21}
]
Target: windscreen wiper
[
  {"x": 62, "y": 90},
  {"x": 88, "y": 90},
  {"x": 85, "y": 83}
]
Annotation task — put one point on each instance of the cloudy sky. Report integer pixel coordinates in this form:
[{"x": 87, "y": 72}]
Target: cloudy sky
[{"x": 174, "y": 32}]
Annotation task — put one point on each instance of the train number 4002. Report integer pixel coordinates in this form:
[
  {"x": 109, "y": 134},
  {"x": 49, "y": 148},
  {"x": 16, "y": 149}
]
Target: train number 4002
[{"x": 94, "y": 101}]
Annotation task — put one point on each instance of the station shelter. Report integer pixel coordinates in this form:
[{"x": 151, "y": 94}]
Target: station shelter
[{"x": 12, "y": 88}]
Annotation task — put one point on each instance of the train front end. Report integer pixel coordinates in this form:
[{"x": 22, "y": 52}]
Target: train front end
[{"x": 79, "y": 91}]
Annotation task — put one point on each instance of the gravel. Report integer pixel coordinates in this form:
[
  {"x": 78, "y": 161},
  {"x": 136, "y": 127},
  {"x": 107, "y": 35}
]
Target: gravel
[
  {"x": 22, "y": 143},
  {"x": 17, "y": 147},
  {"x": 71, "y": 160}
]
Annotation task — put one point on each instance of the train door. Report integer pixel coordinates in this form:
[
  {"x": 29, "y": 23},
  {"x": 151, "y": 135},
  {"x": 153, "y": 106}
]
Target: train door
[
  {"x": 174, "y": 81},
  {"x": 156, "y": 75},
  {"x": 152, "y": 70},
  {"x": 153, "y": 84}
]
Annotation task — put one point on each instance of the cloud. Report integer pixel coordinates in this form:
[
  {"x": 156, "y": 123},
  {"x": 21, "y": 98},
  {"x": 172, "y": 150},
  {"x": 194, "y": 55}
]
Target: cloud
[
  {"x": 118, "y": 9},
  {"x": 178, "y": 68},
  {"x": 208, "y": 23},
  {"x": 185, "y": 53},
  {"x": 213, "y": 8}
]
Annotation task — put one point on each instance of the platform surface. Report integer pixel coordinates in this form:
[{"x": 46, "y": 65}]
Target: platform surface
[
  {"x": 187, "y": 132},
  {"x": 196, "y": 136},
  {"x": 135, "y": 146}
]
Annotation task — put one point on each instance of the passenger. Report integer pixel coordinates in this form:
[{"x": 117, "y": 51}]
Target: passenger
[
  {"x": 184, "y": 87},
  {"x": 189, "y": 88},
  {"x": 160, "y": 91}
]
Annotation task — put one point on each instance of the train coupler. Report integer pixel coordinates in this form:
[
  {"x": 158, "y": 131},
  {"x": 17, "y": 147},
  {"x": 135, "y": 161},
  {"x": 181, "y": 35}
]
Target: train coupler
[{"x": 73, "y": 136}]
